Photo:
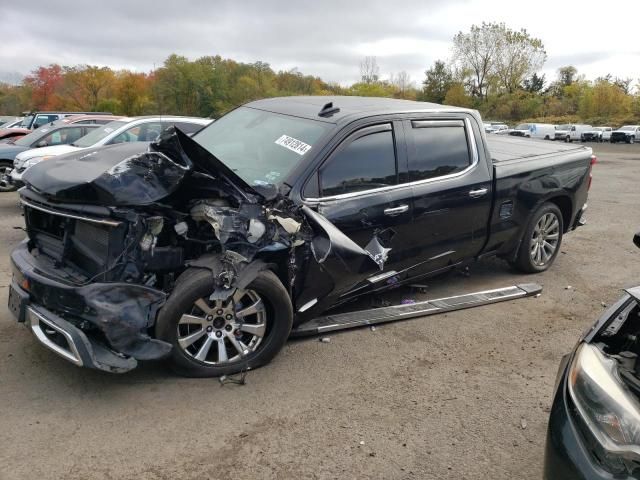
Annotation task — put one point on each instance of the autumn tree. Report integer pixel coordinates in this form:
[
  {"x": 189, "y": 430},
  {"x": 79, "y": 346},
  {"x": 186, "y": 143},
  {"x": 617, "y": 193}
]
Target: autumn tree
[
  {"x": 133, "y": 93},
  {"x": 518, "y": 56},
  {"x": 457, "y": 96},
  {"x": 44, "y": 84},
  {"x": 87, "y": 85},
  {"x": 476, "y": 51},
  {"x": 497, "y": 55}
]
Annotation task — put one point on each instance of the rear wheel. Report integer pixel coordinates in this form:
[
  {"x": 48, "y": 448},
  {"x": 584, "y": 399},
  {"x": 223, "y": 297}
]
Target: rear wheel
[
  {"x": 221, "y": 337},
  {"x": 5, "y": 168},
  {"x": 542, "y": 239}
]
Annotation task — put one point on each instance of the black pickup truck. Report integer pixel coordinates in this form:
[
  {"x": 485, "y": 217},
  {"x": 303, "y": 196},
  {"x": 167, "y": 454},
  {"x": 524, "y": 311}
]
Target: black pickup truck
[{"x": 210, "y": 249}]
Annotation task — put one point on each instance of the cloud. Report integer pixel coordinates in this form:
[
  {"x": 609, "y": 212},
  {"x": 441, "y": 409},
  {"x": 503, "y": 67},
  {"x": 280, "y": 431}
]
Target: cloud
[{"x": 323, "y": 38}]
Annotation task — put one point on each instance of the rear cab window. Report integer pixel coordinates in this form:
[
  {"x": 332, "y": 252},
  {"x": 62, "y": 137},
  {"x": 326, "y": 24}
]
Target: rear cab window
[{"x": 437, "y": 148}]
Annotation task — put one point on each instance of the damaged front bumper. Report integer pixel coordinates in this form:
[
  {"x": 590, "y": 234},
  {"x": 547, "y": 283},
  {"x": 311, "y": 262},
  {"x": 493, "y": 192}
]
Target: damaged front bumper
[{"x": 98, "y": 325}]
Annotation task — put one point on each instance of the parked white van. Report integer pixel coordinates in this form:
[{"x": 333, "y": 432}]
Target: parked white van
[
  {"x": 576, "y": 131},
  {"x": 545, "y": 131}
]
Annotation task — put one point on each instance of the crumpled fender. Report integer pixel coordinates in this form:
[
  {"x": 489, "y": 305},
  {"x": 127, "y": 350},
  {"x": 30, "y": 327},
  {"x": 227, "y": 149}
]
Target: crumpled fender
[{"x": 124, "y": 312}]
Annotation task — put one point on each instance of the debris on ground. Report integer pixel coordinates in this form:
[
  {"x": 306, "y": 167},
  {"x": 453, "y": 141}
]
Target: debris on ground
[
  {"x": 373, "y": 328},
  {"x": 538, "y": 295},
  {"x": 361, "y": 442},
  {"x": 239, "y": 379},
  {"x": 523, "y": 423},
  {"x": 568, "y": 287},
  {"x": 603, "y": 304},
  {"x": 325, "y": 340},
  {"x": 407, "y": 301}
]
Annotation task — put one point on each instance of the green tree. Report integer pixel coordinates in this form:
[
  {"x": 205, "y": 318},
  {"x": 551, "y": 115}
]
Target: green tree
[
  {"x": 534, "y": 83},
  {"x": 438, "y": 80}
]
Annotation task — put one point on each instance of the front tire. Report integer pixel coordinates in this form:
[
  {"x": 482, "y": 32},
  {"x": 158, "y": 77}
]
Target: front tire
[
  {"x": 211, "y": 338},
  {"x": 542, "y": 240}
]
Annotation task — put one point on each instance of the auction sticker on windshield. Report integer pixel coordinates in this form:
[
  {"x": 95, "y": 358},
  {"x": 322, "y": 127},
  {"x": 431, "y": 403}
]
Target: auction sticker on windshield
[{"x": 292, "y": 144}]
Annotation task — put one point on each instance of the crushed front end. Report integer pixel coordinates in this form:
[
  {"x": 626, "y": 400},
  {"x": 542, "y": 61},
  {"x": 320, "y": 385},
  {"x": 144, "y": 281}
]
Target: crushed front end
[{"x": 111, "y": 230}]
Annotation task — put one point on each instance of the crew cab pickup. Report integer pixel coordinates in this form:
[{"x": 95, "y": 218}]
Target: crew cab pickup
[{"x": 209, "y": 250}]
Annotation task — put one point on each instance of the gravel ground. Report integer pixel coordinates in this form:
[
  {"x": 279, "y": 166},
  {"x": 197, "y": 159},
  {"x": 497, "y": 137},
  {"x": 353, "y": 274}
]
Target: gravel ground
[{"x": 460, "y": 395}]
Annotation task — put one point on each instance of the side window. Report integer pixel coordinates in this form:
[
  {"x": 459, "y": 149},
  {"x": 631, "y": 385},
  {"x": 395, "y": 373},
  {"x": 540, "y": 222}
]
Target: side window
[
  {"x": 63, "y": 136},
  {"x": 43, "y": 120},
  {"x": 437, "y": 148},
  {"x": 146, "y": 132},
  {"x": 101, "y": 121},
  {"x": 366, "y": 163}
]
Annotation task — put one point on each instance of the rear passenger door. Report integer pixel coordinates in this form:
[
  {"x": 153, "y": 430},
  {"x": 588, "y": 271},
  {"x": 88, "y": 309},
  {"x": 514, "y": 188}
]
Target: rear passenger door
[{"x": 451, "y": 190}]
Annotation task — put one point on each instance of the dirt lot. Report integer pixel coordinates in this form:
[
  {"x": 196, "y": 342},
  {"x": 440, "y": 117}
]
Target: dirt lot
[{"x": 439, "y": 397}]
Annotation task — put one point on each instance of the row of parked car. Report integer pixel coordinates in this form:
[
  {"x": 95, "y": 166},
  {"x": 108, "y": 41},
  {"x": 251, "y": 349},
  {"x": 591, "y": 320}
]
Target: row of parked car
[
  {"x": 568, "y": 133},
  {"x": 43, "y": 136}
]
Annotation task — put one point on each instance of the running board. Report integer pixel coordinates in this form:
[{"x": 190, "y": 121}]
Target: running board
[{"x": 342, "y": 321}]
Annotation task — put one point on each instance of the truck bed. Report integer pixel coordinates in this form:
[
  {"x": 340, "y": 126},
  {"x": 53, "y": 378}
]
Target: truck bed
[{"x": 504, "y": 148}]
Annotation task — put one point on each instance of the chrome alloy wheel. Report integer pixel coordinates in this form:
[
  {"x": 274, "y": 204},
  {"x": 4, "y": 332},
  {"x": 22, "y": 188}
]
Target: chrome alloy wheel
[
  {"x": 216, "y": 332},
  {"x": 544, "y": 240}
]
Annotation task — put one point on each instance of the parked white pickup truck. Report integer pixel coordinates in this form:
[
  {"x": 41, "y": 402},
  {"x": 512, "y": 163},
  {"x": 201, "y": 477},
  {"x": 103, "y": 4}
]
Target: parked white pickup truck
[{"x": 597, "y": 134}]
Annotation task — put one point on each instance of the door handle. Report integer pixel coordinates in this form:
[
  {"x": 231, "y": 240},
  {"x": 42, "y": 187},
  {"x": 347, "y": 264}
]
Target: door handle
[
  {"x": 396, "y": 210},
  {"x": 481, "y": 192}
]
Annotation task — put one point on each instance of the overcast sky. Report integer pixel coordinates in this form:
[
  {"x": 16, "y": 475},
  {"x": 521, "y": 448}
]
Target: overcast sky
[{"x": 323, "y": 38}]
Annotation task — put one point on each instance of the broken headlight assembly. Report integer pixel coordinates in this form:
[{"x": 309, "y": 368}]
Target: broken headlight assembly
[{"x": 609, "y": 411}]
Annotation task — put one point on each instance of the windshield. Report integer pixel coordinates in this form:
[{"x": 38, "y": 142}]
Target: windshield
[
  {"x": 598, "y": 129},
  {"x": 564, "y": 127},
  {"x": 523, "y": 126},
  {"x": 98, "y": 134},
  {"x": 260, "y": 147},
  {"x": 627, "y": 128},
  {"x": 30, "y": 138},
  {"x": 26, "y": 121}
]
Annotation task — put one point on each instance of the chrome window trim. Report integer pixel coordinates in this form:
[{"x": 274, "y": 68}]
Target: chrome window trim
[{"x": 475, "y": 158}]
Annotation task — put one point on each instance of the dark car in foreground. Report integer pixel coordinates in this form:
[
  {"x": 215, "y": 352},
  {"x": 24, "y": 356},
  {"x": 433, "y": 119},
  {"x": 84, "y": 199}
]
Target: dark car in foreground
[
  {"x": 210, "y": 249},
  {"x": 594, "y": 426}
]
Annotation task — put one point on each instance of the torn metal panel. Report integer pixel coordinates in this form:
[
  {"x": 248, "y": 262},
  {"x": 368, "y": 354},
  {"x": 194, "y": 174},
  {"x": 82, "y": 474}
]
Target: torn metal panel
[{"x": 124, "y": 313}]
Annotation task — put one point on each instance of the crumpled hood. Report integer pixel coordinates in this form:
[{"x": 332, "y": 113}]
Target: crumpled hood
[{"x": 130, "y": 174}]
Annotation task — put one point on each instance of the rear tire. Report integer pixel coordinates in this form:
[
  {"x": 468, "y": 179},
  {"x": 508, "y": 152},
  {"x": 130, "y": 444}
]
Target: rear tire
[
  {"x": 541, "y": 241},
  {"x": 6, "y": 165},
  {"x": 221, "y": 330}
]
